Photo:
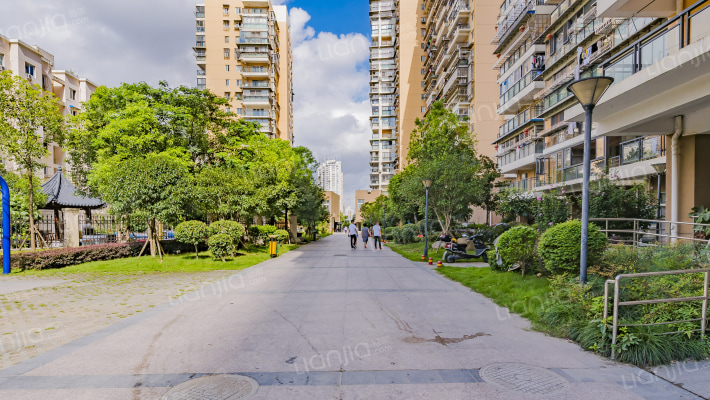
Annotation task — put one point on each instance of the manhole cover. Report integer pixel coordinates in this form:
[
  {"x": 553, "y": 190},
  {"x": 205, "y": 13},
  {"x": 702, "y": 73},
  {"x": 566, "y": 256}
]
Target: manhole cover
[
  {"x": 214, "y": 387},
  {"x": 523, "y": 378}
]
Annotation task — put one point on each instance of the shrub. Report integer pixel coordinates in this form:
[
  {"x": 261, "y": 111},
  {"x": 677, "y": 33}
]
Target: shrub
[
  {"x": 262, "y": 232},
  {"x": 60, "y": 258},
  {"x": 192, "y": 232},
  {"x": 220, "y": 245},
  {"x": 235, "y": 230},
  {"x": 282, "y": 235},
  {"x": 390, "y": 232},
  {"x": 517, "y": 245},
  {"x": 514, "y": 203},
  {"x": 559, "y": 246},
  {"x": 552, "y": 208},
  {"x": 407, "y": 233},
  {"x": 611, "y": 200}
]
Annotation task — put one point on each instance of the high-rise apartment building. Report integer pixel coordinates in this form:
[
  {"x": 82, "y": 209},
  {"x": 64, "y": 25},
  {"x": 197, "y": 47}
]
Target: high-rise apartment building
[
  {"x": 655, "y": 117},
  {"x": 37, "y": 66},
  {"x": 243, "y": 53},
  {"x": 330, "y": 178},
  {"x": 384, "y": 155}
]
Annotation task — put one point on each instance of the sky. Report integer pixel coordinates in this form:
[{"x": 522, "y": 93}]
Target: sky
[{"x": 137, "y": 40}]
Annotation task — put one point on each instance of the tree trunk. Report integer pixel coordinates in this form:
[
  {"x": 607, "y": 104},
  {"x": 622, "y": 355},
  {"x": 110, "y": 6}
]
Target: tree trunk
[
  {"x": 151, "y": 237},
  {"x": 33, "y": 244},
  {"x": 197, "y": 253},
  {"x": 286, "y": 224}
]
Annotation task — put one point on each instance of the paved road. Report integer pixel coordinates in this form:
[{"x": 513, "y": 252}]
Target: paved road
[{"x": 328, "y": 322}]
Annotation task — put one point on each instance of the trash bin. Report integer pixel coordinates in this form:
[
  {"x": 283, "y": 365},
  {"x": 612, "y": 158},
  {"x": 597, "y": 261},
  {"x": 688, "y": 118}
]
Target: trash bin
[{"x": 273, "y": 246}]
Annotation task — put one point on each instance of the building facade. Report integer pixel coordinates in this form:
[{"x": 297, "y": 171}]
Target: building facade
[
  {"x": 332, "y": 203},
  {"x": 654, "y": 117},
  {"x": 362, "y": 197},
  {"x": 37, "y": 66},
  {"x": 243, "y": 53},
  {"x": 330, "y": 178}
]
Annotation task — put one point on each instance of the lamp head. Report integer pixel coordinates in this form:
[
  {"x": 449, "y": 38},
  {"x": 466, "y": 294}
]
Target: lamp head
[
  {"x": 427, "y": 183},
  {"x": 659, "y": 167},
  {"x": 588, "y": 91}
]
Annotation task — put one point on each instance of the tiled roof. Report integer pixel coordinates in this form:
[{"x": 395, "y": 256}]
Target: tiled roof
[{"x": 61, "y": 193}]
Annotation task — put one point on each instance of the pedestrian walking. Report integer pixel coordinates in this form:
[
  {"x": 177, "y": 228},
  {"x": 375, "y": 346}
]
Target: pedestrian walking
[
  {"x": 377, "y": 235},
  {"x": 352, "y": 231},
  {"x": 365, "y": 234}
]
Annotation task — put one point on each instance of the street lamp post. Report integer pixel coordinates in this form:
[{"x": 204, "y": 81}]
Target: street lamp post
[
  {"x": 384, "y": 222},
  {"x": 427, "y": 183},
  {"x": 588, "y": 91}
]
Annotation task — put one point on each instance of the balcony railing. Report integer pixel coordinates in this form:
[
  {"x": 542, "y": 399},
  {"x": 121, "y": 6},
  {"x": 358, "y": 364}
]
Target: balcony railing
[
  {"x": 688, "y": 27},
  {"x": 518, "y": 86},
  {"x": 243, "y": 40},
  {"x": 519, "y": 120},
  {"x": 642, "y": 149}
]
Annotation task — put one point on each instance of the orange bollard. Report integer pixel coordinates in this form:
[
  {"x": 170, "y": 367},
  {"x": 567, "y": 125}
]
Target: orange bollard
[
  {"x": 438, "y": 264},
  {"x": 422, "y": 257},
  {"x": 431, "y": 261}
]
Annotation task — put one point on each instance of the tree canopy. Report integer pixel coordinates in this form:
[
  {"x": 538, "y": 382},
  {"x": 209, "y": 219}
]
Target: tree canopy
[{"x": 443, "y": 150}]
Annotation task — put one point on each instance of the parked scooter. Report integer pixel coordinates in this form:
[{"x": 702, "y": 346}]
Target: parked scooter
[{"x": 456, "y": 249}]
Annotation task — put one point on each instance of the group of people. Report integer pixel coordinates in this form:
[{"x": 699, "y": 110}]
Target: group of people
[{"x": 375, "y": 232}]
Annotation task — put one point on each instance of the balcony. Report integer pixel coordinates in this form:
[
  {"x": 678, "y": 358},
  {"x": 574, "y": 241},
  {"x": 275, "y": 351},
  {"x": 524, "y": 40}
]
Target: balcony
[
  {"x": 256, "y": 3},
  {"x": 636, "y": 8},
  {"x": 256, "y": 72},
  {"x": 520, "y": 94},
  {"x": 256, "y": 100},
  {"x": 254, "y": 57},
  {"x": 520, "y": 120},
  {"x": 243, "y": 40},
  {"x": 642, "y": 149},
  {"x": 663, "y": 74}
]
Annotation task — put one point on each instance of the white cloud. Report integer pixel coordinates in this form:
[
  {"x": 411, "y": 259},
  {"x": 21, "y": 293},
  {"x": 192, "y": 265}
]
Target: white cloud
[{"x": 331, "y": 109}]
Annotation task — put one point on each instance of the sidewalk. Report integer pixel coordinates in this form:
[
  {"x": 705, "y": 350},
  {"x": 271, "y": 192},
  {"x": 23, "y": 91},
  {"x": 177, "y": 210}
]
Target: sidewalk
[{"x": 329, "y": 322}]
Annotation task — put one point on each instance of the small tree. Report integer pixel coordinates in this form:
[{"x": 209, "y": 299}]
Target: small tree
[
  {"x": 220, "y": 245},
  {"x": 517, "y": 245},
  {"x": 192, "y": 232},
  {"x": 513, "y": 203},
  {"x": 233, "y": 229},
  {"x": 29, "y": 119}
]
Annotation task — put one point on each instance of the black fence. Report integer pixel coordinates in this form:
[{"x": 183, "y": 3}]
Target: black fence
[
  {"x": 50, "y": 233},
  {"x": 99, "y": 229}
]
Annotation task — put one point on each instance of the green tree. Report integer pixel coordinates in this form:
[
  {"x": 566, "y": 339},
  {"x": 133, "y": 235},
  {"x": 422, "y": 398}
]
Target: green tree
[
  {"x": 29, "y": 119},
  {"x": 156, "y": 187},
  {"x": 443, "y": 150},
  {"x": 310, "y": 209},
  {"x": 610, "y": 199},
  {"x": 194, "y": 233},
  {"x": 372, "y": 212}
]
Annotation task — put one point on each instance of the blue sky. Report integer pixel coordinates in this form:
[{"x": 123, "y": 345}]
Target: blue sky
[{"x": 339, "y": 16}]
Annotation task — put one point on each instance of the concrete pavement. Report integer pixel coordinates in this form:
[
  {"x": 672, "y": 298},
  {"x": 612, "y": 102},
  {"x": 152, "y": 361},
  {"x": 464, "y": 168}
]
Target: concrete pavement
[{"x": 328, "y": 322}]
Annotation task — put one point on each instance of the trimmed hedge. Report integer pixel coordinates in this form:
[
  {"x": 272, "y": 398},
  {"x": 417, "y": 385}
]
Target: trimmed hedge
[
  {"x": 59, "y": 258},
  {"x": 282, "y": 235},
  {"x": 559, "y": 246},
  {"x": 517, "y": 245},
  {"x": 192, "y": 232},
  {"x": 261, "y": 232},
  {"x": 220, "y": 245}
]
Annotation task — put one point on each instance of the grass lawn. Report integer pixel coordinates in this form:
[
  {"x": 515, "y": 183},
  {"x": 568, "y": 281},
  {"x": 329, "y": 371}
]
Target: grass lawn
[
  {"x": 172, "y": 263},
  {"x": 414, "y": 251},
  {"x": 525, "y": 296}
]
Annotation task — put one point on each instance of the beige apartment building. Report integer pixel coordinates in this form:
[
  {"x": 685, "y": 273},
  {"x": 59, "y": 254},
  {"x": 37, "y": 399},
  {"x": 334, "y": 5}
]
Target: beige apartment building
[
  {"x": 362, "y": 197},
  {"x": 654, "y": 120},
  {"x": 37, "y": 66},
  {"x": 243, "y": 53},
  {"x": 331, "y": 202}
]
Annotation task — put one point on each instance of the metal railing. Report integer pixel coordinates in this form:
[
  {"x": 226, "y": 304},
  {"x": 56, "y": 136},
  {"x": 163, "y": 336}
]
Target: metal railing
[
  {"x": 617, "y": 285},
  {"x": 649, "y": 232}
]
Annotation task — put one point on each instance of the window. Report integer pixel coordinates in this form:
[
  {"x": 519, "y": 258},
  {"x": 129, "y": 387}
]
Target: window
[
  {"x": 239, "y": 111},
  {"x": 30, "y": 69},
  {"x": 72, "y": 94},
  {"x": 423, "y": 109},
  {"x": 423, "y": 97},
  {"x": 226, "y": 82},
  {"x": 423, "y": 45},
  {"x": 73, "y": 112},
  {"x": 422, "y": 6},
  {"x": 226, "y": 95},
  {"x": 228, "y": 110},
  {"x": 423, "y": 32},
  {"x": 226, "y": 25},
  {"x": 2, "y": 58},
  {"x": 226, "y": 54},
  {"x": 225, "y": 10},
  {"x": 238, "y": 68},
  {"x": 423, "y": 58},
  {"x": 360, "y": 202},
  {"x": 200, "y": 26},
  {"x": 226, "y": 39},
  {"x": 237, "y": 10},
  {"x": 226, "y": 68},
  {"x": 423, "y": 83}
]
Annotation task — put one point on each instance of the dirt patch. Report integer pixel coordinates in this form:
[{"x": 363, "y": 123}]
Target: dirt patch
[{"x": 38, "y": 320}]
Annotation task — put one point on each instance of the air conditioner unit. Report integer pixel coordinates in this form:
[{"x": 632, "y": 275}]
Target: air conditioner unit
[{"x": 30, "y": 76}]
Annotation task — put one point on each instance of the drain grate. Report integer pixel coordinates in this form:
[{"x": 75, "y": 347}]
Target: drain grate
[
  {"x": 214, "y": 387},
  {"x": 523, "y": 378}
]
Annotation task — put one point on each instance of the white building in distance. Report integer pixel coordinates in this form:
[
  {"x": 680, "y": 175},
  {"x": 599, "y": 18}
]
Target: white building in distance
[{"x": 330, "y": 178}]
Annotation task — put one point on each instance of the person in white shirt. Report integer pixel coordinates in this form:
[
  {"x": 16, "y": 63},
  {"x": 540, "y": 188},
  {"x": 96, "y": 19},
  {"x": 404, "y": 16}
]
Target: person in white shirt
[
  {"x": 377, "y": 234},
  {"x": 352, "y": 230}
]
